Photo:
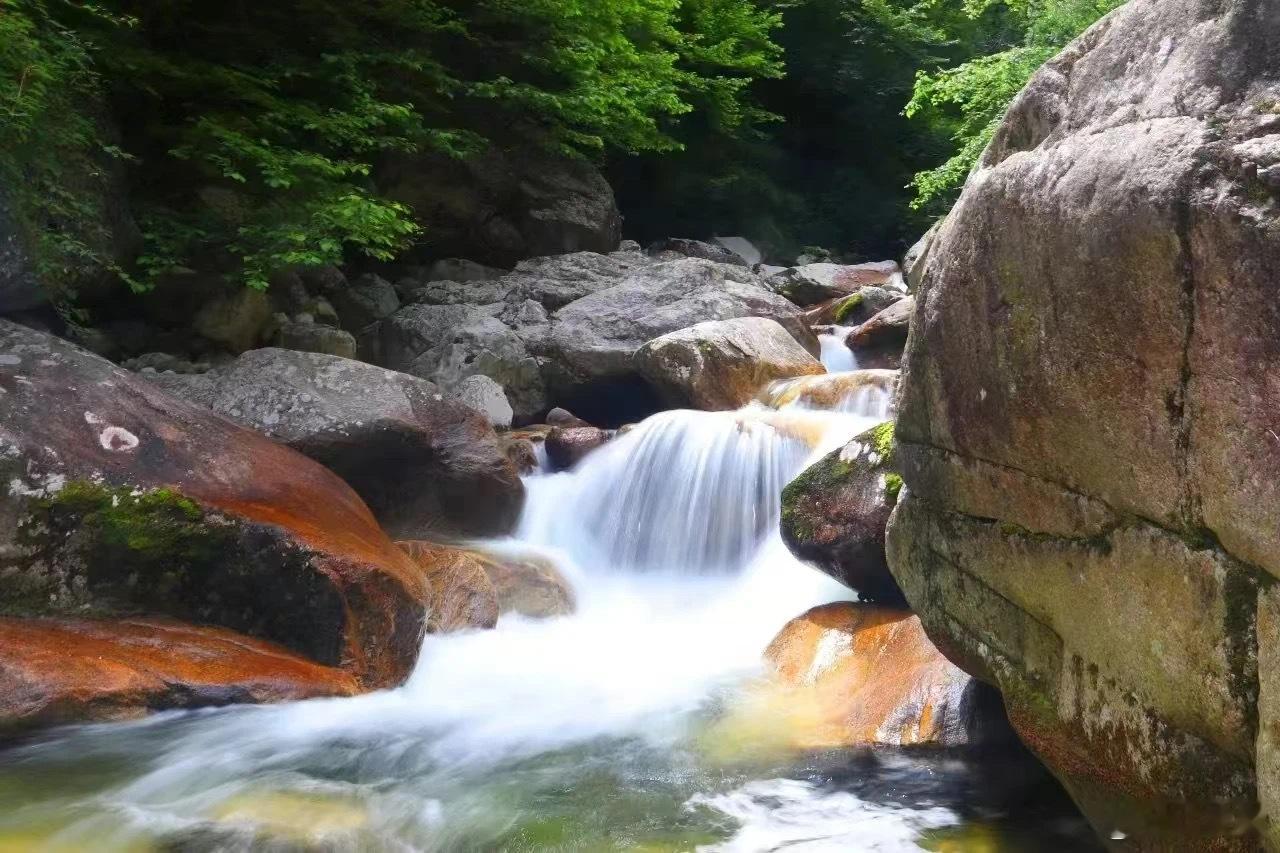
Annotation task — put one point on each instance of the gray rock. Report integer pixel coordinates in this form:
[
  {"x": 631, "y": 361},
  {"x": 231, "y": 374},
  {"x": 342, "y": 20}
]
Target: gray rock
[
  {"x": 564, "y": 418},
  {"x": 238, "y": 318},
  {"x": 743, "y": 248},
  {"x": 369, "y": 299},
  {"x": 458, "y": 269},
  {"x": 326, "y": 280},
  {"x": 913, "y": 263},
  {"x": 424, "y": 464},
  {"x": 888, "y": 328},
  {"x": 594, "y": 338},
  {"x": 1087, "y": 424},
  {"x": 485, "y": 396},
  {"x": 312, "y": 337},
  {"x": 674, "y": 247},
  {"x": 499, "y": 207}
]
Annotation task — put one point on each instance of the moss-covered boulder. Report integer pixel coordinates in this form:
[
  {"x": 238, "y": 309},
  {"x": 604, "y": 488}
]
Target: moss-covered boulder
[
  {"x": 119, "y": 501},
  {"x": 834, "y": 514},
  {"x": 1087, "y": 426}
]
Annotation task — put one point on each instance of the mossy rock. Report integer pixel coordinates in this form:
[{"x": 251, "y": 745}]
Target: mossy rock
[{"x": 834, "y": 514}]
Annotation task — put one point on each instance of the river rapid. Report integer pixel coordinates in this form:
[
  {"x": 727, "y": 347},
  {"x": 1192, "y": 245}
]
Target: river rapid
[{"x": 610, "y": 729}]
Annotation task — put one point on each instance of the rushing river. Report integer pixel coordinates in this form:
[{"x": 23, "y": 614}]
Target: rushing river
[{"x": 601, "y": 731}]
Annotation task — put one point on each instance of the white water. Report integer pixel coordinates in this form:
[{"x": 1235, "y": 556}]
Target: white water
[{"x": 836, "y": 355}]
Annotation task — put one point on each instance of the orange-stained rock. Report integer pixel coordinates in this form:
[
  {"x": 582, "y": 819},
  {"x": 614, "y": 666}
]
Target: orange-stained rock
[
  {"x": 73, "y": 670},
  {"x": 859, "y": 391},
  {"x": 567, "y": 446},
  {"x": 461, "y": 595},
  {"x": 120, "y": 500},
  {"x": 862, "y": 674}
]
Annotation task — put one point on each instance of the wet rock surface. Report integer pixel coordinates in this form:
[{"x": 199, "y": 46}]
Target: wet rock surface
[
  {"x": 57, "y": 671},
  {"x": 858, "y": 674}
]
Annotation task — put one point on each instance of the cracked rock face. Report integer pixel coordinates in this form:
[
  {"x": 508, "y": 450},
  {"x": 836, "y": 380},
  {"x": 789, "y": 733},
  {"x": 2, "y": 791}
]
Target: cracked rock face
[{"x": 1087, "y": 424}]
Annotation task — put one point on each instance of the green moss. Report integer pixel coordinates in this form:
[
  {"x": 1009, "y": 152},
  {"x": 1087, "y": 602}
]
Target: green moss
[
  {"x": 99, "y": 544},
  {"x": 882, "y": 439},
  {"x": 892, "y": 488},
  {"x": 847, "y": 307}
]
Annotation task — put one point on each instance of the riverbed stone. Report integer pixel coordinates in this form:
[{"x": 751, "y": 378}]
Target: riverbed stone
[
  {"x": 423, "y": 463},
  {"x": 121, "y": 500},
  {"x": 462, "y": 597},
  {"x": 859, "y": 674},
  {"x": 834, "y": 514},
  {"x": 722, "y": 365},
  {"x": 59, "y": 671}
]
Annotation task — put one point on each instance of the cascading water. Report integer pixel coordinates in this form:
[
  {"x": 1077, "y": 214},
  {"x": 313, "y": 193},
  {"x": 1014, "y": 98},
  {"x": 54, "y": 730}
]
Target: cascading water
[
  {"x": 836, "y": 355},
  {"x": 587, "y": 732}
]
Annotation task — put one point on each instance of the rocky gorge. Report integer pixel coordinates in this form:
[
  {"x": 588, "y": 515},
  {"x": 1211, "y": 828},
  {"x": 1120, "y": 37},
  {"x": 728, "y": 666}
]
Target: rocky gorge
[{"x": 561, "y": 542}]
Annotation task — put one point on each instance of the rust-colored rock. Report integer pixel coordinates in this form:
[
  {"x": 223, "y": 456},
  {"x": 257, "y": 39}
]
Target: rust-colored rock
[
  {"x": 860, "y": 391},
  {"x": 55, "y": 671},
  {"x": 461, "y": 595},
  {"x": 862, "y": 674},
  {"x": 120, "y": 500}
]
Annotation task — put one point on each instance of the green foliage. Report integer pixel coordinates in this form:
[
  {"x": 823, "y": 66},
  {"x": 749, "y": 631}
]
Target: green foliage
[
  {"x": 969, "y": 100},
  {"x": 53, "y": 157},
  {"x": 258, "y": 128}
]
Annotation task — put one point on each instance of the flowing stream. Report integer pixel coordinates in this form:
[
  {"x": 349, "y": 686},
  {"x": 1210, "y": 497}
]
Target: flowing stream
[{"x": 598, "y": 731}]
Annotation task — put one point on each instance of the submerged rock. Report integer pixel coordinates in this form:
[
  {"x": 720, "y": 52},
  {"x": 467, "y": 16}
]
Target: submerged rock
[
  {"x": 866, "y": 392},
  {"x": 858, "y": 674},
  {"x": 423, "y": 463},
  {"x": 462, "y": 597},
  {"x": 527, "y": 583},
  {"x": 834, "y": 514},
  {"x": 722, "y": 365},
  {"x": 57, "y": 671},
  {"x": 121, "y": 500},
  {"x": 1088, "y": 417}
]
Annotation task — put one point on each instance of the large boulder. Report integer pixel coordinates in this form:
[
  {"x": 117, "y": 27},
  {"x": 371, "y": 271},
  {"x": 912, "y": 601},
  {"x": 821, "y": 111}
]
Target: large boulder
[
  {"x": 1087, "y": 428},
  {"x": 121, "y": 500},
  {"x": 835, "y": 513},
  {"x": 858, "y": 674},
  {"x": 57, "y": 671},
  {"x": 593, "y": 339},
  {"x": 498, "y": 207},
  {"x": 723, "y": 364},
  {"x": 675, "y": 247},
  {"x": 879, "y": 341},
  {"x": 366, "y": 301},
  {"x": 423, "y": 463}
]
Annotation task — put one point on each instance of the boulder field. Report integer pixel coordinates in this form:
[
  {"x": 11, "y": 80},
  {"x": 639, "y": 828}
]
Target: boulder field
[{"x": 1087, "y": 427}]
